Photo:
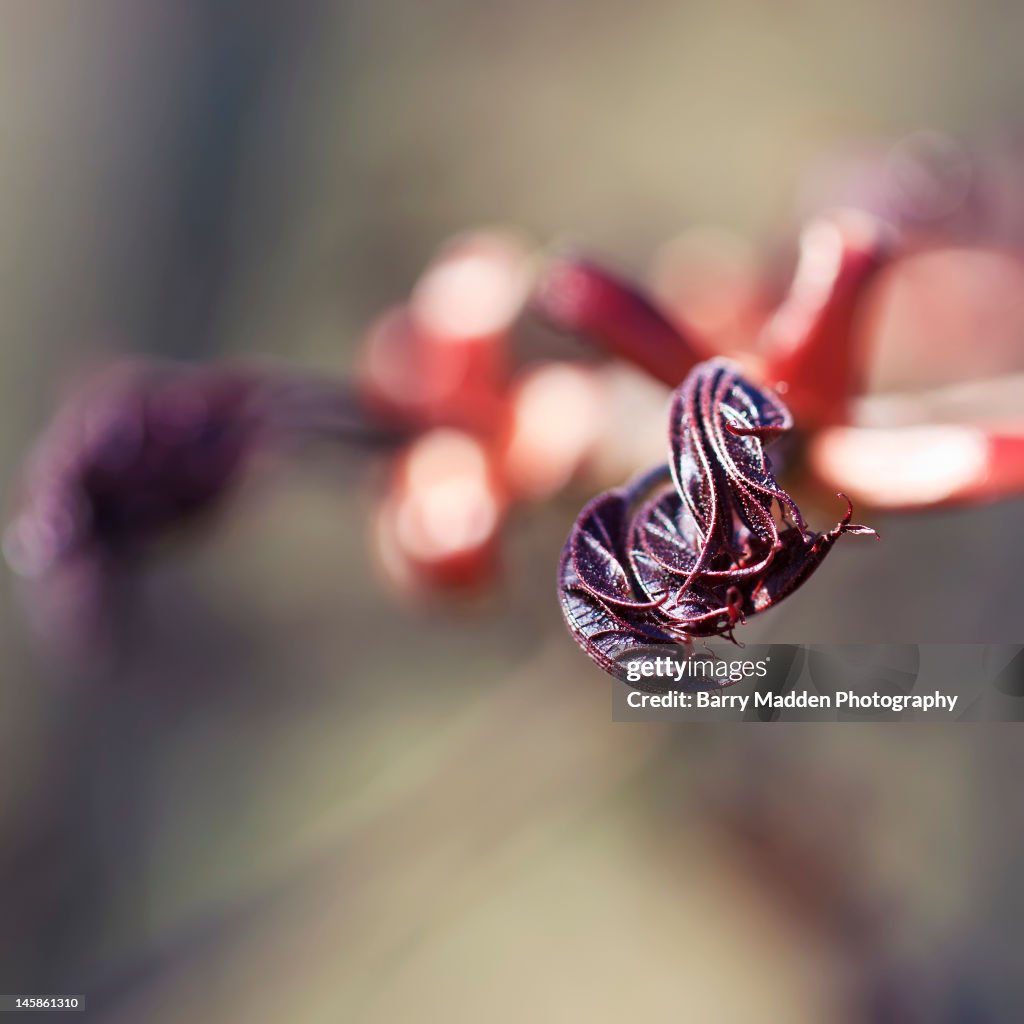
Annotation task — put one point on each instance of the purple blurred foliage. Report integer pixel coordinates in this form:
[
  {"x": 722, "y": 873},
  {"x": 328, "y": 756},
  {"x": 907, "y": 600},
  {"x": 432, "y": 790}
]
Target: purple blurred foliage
[
  {"x": 141, "y": 450},
  {"x": 927, "y": 185}
]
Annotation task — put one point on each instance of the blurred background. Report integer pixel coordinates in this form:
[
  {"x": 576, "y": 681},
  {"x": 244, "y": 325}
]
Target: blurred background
[{"x": 302, "y": 797}]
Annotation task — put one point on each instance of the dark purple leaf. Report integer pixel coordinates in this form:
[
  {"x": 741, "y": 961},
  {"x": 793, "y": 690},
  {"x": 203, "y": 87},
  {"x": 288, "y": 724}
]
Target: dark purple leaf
[
  {"x": 597, "y": 552},
  {"x": 606, "y": 636},
  {"x": 691, "y": 549}
]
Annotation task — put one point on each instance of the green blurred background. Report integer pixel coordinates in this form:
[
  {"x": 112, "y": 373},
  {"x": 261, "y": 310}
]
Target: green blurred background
[{"x": 302, "y": 799}]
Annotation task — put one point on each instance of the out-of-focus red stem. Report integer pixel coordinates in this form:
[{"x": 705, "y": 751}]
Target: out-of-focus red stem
[
  {"x": 908, "y": 468},
  {"x": 580, "y": 297},
  {"x": 439, "y": 526},
  {"x": 414, "y": 379},
  {"x": 811, "y": 345},
  {"x": 440, "y": 359}
]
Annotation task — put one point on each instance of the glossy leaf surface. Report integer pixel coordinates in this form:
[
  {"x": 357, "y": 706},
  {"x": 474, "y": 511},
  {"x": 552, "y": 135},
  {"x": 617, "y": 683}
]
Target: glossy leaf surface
[{"x": 692, "y": 549}]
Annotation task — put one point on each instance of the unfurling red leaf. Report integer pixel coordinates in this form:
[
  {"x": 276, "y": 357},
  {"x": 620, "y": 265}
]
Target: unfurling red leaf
[{"x": 691, "y": 549}]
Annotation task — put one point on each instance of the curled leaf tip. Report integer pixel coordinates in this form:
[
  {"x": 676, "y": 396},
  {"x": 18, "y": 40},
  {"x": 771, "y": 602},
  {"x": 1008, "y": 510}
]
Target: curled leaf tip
[{"x": 694, "y": 548}]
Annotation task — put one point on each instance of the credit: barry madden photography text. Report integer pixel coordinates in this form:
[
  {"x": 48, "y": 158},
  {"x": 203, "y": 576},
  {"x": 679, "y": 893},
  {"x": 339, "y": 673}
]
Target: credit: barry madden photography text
[{"x": 798, "y": 699}]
